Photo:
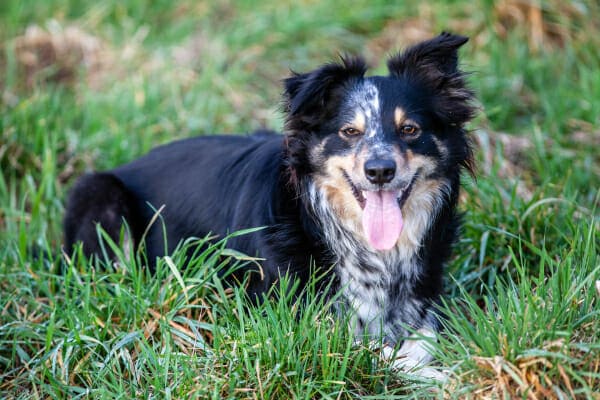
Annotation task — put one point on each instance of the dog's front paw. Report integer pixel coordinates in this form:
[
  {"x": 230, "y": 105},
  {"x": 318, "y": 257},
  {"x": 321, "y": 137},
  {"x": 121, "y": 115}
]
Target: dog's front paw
[
  {"x": 413, "y": 357},
  {"x": 417, "y": 369}
]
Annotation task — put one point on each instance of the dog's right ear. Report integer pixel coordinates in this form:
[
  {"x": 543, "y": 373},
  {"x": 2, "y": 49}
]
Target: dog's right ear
[
  {"x": 308, "y": 102},
  {"x": 310, "y": 92}
]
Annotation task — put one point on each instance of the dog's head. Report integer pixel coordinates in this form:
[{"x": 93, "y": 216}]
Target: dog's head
[{"x": 382, "y": 149}]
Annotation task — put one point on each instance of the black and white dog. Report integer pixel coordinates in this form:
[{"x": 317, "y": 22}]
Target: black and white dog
[{"x": 365, "y": 178}]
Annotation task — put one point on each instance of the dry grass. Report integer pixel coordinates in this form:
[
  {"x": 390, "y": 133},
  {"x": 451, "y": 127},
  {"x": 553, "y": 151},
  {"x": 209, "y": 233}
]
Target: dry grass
[
  {"x": 548, "y": 24},
  {"x": 82, "y": 100},
  {"x": 529, "y": 376},
  {"x": 506, "y": 156},
  {"x": 59, "y": 54}
]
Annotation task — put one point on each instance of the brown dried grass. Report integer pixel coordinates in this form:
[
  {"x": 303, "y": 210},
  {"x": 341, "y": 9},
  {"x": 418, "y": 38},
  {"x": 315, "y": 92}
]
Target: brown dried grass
[
  {"x": 544, "y": 25},
  {"x": 59, "y": 54},
  {"x": 530, "y": 377}
]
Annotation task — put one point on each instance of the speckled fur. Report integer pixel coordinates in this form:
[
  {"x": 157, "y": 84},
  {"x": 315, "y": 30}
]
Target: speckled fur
[
  {"x": 392, "y": 293},
  {"x": 309, "y": 186},
  {"x": 381, "y": 286}
]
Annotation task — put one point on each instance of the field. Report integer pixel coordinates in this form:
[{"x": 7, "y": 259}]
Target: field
[{"x": 89, "y": 85}]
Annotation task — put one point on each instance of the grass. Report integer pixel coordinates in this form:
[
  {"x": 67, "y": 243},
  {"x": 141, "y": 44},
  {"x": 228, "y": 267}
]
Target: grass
[{"x": 522, "y": 304}]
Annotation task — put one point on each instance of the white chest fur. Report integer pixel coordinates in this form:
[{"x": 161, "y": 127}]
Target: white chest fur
[{"x": 378, "y": 285}]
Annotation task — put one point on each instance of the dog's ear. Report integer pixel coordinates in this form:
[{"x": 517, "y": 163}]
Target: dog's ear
[
  {"x": 310, "y": 92},
  {"x": 308, "y": 102},
  {"x": 434, "y": 63},
  {"x": 439, "y": 54}
]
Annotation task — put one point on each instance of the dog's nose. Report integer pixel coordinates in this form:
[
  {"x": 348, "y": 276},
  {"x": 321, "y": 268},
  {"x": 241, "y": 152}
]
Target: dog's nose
[{"x": 380, "y": 171}]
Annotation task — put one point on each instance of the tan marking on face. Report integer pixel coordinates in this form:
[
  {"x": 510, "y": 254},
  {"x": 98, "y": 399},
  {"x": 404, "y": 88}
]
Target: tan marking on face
[
  {"x": 358, "y": 167},
  {"x": 423, "y": 202},
  {"x": 409, "y": 162},
  {"x": 418, "y": 211},
  {"x": 359, "y": 122},
  {"x": 338, "y": 190},
  {"x": 413, "y": 162},
  {"x": 399, "y": 116}
]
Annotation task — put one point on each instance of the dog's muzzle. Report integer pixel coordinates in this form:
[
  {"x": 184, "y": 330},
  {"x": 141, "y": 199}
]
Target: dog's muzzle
[{"x": 382, "y": 219}]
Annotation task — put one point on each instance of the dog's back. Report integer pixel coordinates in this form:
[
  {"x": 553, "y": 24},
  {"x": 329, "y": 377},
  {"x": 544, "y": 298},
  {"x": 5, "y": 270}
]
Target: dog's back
[{"x": 206, "y": 185}]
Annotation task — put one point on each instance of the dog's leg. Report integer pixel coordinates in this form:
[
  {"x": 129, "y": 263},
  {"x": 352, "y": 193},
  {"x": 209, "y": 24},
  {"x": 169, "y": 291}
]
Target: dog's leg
[{"x": 415, "y": 353}]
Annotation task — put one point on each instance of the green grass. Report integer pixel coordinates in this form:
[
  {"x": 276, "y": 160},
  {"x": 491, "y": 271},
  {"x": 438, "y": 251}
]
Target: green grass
[{"x": 522, "y": 307}]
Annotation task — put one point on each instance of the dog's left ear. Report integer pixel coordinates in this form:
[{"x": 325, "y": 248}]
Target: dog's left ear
[
  {"x": 439, "y": 54},
  {"x": 434, "y": 63}
]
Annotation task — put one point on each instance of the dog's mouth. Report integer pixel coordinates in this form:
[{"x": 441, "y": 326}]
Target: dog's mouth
[{"x": 382, "y": 215}]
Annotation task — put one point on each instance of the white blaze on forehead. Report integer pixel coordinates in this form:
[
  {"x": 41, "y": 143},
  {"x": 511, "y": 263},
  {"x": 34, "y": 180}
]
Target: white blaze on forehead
[{"x": 366, "y": 99}]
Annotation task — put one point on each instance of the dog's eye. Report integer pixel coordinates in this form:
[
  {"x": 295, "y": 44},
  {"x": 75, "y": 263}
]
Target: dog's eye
[
  {"x": 408, "y": 129},
  {"x": 350, "y": 131}
]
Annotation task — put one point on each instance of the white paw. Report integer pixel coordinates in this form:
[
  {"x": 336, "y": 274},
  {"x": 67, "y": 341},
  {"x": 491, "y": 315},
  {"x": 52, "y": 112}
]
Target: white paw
[
  {"x": 413, "y": 356},
  {"x": 417, "y": 369}
]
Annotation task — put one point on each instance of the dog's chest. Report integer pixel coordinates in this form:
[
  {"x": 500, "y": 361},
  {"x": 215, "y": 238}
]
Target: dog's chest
[
  {"x": 378, "y": 286},
  {"x": 379, "y": 290}
]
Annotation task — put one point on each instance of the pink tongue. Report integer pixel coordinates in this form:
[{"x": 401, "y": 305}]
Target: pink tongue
[{"x": 382, "y": 219}]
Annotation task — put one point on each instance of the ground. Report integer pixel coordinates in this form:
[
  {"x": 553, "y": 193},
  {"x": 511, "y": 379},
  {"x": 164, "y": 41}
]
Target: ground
[{"x": 89, "y": 85}]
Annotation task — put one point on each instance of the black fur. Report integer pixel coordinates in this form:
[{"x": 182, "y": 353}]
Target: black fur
[
  {"x": 221, "y": 184},
  {"x": 100, "y": 198}
]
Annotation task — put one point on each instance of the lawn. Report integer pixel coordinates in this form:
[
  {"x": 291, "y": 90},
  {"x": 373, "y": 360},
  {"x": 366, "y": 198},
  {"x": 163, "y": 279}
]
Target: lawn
[{"x": 88, "y": 85}]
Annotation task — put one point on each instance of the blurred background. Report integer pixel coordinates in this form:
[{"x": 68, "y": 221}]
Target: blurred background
[
  {"x": 87, "y": 85},
  {"x": 164, "y": 69}
]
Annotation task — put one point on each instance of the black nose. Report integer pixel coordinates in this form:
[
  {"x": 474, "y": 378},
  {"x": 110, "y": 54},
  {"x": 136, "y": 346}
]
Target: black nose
[{"x": 380, "y": 171}]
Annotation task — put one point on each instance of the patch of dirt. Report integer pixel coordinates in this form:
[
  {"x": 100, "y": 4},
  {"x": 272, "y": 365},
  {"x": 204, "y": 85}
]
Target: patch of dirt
[
  {"x": 58, "y": 54},
  {"x": 584, "y": 133},
  {"x": 399, "y": 34}
]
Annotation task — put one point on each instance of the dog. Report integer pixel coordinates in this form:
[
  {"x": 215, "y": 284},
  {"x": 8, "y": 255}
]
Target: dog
[{"x": 365, "y": 178}]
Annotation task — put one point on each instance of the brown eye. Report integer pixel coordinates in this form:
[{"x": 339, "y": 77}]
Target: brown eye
[
  {"x": 408, "y": 129},
  {"x": 349, "y": 131}
]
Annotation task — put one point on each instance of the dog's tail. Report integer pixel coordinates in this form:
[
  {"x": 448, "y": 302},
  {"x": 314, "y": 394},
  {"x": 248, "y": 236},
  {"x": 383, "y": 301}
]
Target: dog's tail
[{"x": 99, "y": 199}]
